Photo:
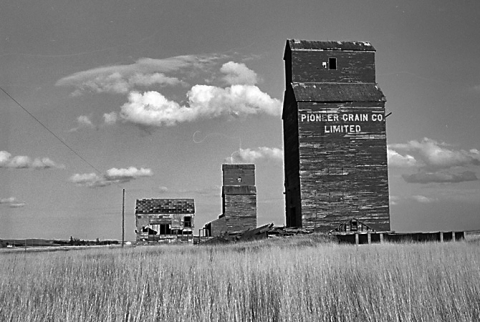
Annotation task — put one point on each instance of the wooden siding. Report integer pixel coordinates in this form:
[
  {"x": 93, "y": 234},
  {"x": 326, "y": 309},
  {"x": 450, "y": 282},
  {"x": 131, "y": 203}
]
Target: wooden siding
[
  {"x": 343, "y": 175},
  {"x": 240, "y": 211},
  {"x": 233, "y": 172},
  {"x": 352, "y": 67},
  {"x": 174, "y": 222},
  {"x": 218, "y": 227}
]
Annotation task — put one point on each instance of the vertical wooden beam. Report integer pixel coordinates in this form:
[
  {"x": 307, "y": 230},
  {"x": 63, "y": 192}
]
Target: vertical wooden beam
[
  {"x": 453, "y": 236},
  {"x": 357, "y": 239},
  {"x": 441, "y": 236},
  {"x": 381, "y": 238},
  {"x": 369, "y": 238}
]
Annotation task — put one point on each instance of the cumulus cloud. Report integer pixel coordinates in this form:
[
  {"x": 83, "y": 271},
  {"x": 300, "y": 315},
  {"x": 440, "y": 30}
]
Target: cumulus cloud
[
  {"x": 25, "y": 162},
  {"x": 152, "y": 108},
  {"x": 12, "y": 202},
  {"x": 83, "y": 121},
  {"x": 436, "y": 162},
  {"x": 204, "y": 102},
  {"x": 436, "y": 155},
  {"x": 397, "y": 160},
  {"x": 110, "y": 118},
  {"x": 144, "y": 72},
  {"x": 110, "y": 177},
  {"x": 238, "y": 73},
  {"x": 253, "y": 155},
  {"x": 123, "y": 175},
  {"x": 439, "y": 177}
]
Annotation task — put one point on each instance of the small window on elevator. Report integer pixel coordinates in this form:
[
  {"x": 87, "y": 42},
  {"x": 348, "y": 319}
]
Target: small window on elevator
[{"x": 332, "y": 63}]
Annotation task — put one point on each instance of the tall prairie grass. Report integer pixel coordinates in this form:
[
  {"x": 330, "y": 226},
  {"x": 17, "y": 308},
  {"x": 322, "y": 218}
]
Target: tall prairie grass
[{"x": 300, "y": 281}]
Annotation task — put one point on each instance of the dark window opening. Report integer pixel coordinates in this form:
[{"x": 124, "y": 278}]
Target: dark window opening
[
  {"x": 187, "y": 222},
  {"x": 165, "y": 229},
  {"x": 332, "y": 63},
  {"x": 354, "y": 226}
]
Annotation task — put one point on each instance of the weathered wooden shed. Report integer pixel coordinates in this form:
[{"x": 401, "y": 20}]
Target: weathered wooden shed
[
  {"x": 164, "y": 219},
  {"x": 334, "y": 136}
]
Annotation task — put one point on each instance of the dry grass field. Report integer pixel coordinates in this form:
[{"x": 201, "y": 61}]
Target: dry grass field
[{"x": 289, "y": 280}]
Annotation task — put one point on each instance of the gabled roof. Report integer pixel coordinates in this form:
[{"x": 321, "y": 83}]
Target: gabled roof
[
  {"x": 296, "y": 44},
  {"x": 335, "y": 92},
  {"x": 165, "y": 206}
]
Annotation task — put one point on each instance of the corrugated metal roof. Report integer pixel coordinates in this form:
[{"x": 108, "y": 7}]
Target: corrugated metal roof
[
  {"x": 296, "y": 44},
  {"x": 165, "y": 206},
  {"x": 332, "y": 92}
]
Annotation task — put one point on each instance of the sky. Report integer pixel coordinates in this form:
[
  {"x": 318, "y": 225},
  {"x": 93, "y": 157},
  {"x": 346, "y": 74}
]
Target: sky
[{"x": 154, "y": 96}]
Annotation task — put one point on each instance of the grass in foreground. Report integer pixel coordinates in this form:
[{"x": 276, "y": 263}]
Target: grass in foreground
[{"x": 277, "y": 281}]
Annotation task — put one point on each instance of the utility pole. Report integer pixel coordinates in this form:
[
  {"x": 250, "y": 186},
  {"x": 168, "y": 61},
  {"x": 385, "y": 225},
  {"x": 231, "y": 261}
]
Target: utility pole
[{"x": 123, "y": 218}]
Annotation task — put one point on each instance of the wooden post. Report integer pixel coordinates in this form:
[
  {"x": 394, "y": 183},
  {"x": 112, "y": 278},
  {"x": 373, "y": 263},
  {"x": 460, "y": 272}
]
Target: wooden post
[
  {"x": 453, "y": 236},
  {"x": 357, "y": 239},
  {"x": 369, "y": 238},
  {"x": 381, "y": 238},
  {"x": 441, "y": 236},
  {"x": 123, "y": 217}
]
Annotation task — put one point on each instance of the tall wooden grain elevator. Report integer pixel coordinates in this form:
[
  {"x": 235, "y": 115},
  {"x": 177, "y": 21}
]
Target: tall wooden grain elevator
[{"x": 334, "y": 136}]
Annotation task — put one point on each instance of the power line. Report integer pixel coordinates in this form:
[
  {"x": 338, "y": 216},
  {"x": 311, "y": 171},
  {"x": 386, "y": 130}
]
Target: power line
[{"x": 51, "y": 132}]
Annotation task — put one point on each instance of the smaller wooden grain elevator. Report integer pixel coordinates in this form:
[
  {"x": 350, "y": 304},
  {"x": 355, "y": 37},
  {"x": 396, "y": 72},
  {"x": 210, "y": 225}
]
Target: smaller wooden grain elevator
[
  {"x": 239, "y": 201},
  {"x": 334, "y": 136}
]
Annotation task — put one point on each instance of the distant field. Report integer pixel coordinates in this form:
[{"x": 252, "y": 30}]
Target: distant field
[{"x": 296, "y": 279}]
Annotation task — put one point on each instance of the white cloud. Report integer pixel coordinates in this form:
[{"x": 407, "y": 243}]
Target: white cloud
[
  {"x": 83, "y": 121},
  {"x": 238, "y": 73},
  {"x": 110, "y": 177},
  {"x": 436, "y": 162},
  {"x": 110, "y": 118},
  {"x": 439, "y": 177},
  {"x": 397, "y": 160},
  {"x": 204, "y": 102},
  {"x": 12, "y": 202},
  {"x": 251, "y": 156},
  {"x": 20, "y": 162},
  {"x": 124, "y": 175},
  {"x": 423, "y": 199},
  {"x": 437, "y": 155},
  {"x": 45, "y": 163},
  {"x": 144, "y": 72},
  {"x": 25, "y": 162}
]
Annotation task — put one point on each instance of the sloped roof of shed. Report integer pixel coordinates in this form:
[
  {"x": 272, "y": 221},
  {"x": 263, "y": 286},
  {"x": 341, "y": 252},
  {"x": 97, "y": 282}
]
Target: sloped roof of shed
[
  {"x": 296, "y": 44},
  {"x": 334, "y": 92},
  {"x": 165, "y": 206}
]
